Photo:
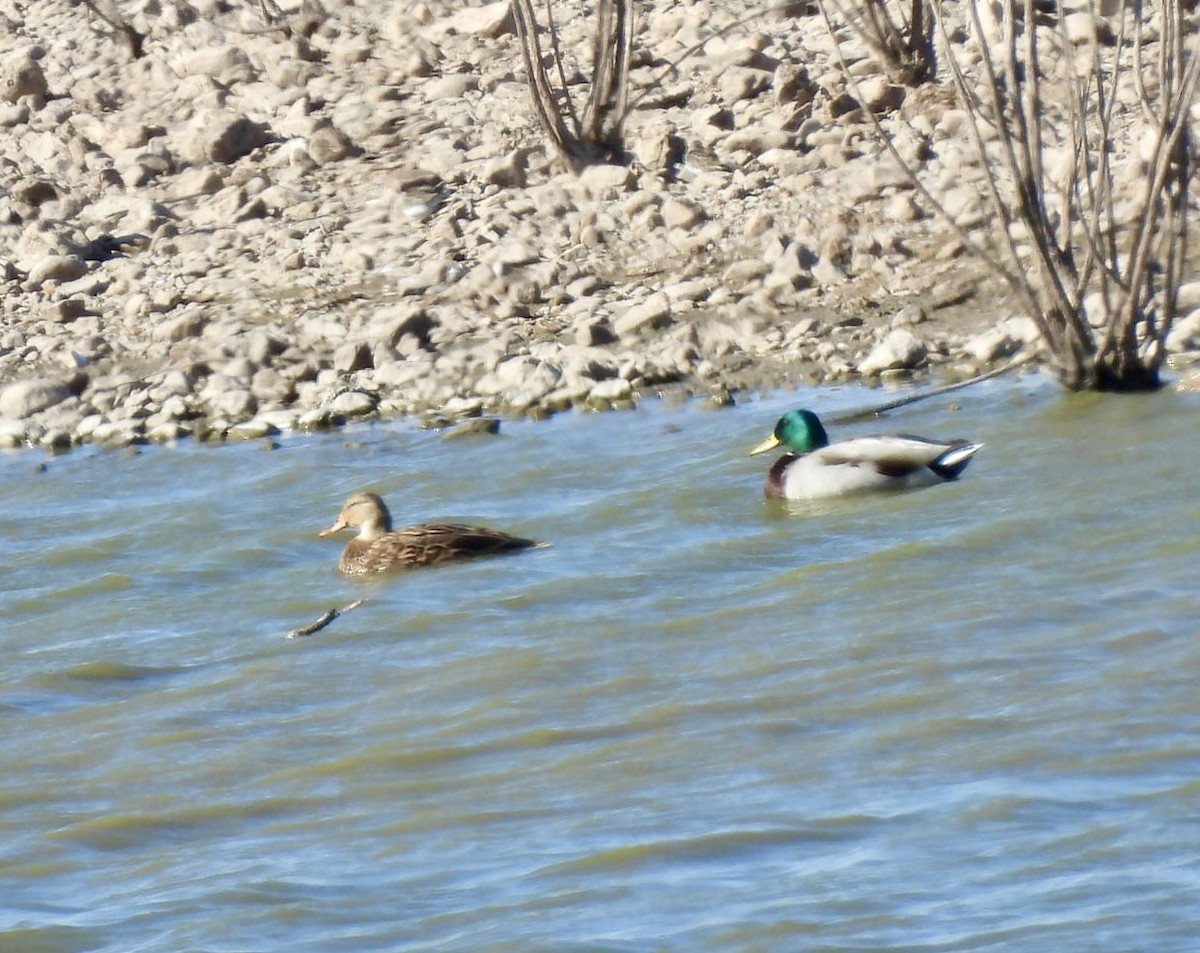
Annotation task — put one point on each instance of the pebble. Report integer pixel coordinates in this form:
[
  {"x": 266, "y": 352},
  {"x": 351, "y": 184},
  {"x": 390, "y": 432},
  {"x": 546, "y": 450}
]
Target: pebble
[{"x": 248, "y": 234}]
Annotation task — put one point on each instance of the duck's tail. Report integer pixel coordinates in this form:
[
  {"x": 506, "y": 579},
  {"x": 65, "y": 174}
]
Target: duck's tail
[
  {"x": 516, "y": 543},
  {"x": 951, "y": 463}
]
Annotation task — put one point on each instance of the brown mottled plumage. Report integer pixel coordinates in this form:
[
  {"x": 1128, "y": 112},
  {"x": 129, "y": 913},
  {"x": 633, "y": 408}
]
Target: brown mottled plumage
[{"x": 379, "y": 548}]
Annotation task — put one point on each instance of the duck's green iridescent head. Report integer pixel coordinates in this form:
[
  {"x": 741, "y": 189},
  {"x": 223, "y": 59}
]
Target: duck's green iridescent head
[{"x": 800, "y": 431}]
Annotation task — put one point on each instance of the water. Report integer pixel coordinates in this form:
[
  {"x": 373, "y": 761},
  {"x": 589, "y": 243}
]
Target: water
[{"x": 958, "y": 719}]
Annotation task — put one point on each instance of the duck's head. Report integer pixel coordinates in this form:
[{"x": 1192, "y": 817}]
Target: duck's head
[
  {"x": 800, "y": 431},
  {"x": 365, "y": 511}
]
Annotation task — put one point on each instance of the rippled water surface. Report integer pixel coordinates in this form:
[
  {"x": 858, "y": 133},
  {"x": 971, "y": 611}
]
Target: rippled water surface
[{"x": 965, "y": 718}]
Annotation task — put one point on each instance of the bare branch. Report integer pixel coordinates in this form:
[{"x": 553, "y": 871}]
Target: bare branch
[
  {"x": 322, "y": 621},
  {"x": 903, "y": 42},
  {"x": 598, "y": 135},
  {"x": 107, "y": 11},
  {"x": 1078, "y": 242}
]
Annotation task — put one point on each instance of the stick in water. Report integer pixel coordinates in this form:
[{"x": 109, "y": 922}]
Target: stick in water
[
  {"x": 324, "y": 620},
  {"x": 869, "y": 413}
]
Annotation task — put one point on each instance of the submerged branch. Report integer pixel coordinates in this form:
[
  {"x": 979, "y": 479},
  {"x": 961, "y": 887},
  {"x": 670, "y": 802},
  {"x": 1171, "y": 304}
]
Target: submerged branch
[
  {"x": 323, "y": 620},
  {"x": 870, "y": 413}
]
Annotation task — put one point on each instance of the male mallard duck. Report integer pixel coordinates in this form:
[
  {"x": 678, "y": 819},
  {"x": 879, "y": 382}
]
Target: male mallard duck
[
  {"x": 378, "y": 548},
  {"x": 815, "y": 468}
]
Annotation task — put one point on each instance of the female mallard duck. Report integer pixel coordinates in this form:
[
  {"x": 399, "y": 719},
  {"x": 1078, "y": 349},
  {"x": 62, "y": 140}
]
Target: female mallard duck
[
  {"x": 378, "y": 548},
  {"x": 814, "y": 468}
]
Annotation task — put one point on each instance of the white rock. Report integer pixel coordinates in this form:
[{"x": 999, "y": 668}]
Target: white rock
[
  {"x": 20, "y": 76},
  {"x": 901, "y": 349},
  {"x": 880, "y": 95},
  {"x": 12, "y": 433},
  {"x": 678, "y": 213},
  {"x": 190, "y": 324},
  {"x": 58, "y": 268},
  {"x": 491, "y": 20},
  {"x": 226, "y": 64},
  {"x": 654, "y": 312},
  {"x": 225, "y": 138},
  {"x": 991, "y": 345},
  {"x": 615, "y": 388},
  {"x": 1188, "y": 297},
  {"x": 1080, "y": 28},
  {"x": 745, "y": 272},
  {"x": 598, "y": 181},
  {"x": 252, "y": 429},
  {"x": 329, "y": 144},
  {"x": 693, "y": 289},
  {"x": 826, "y": 272},
  {"x": 903, "y": 208},
  {"x": 352, "y": 403},
  {"x": 508, "y": 170},
  {"x": 26, "y": 398},
  {"x": 235, "y": 404},
  {"x": 591, "y": 332},
  {"x": 1185, "y": 333},
  {"x": 352, "y": 356},
  {"x": 521, "y": 374},
  {"x": 512, "y": 255},
  {"x": 742, "y": 82},
  {"x": 451, "y": 87},
  {"x": 886, "y": 174}
]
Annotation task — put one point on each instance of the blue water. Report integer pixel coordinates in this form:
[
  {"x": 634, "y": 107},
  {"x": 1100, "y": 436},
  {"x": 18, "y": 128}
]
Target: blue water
[{"x": 963, "y": 718}]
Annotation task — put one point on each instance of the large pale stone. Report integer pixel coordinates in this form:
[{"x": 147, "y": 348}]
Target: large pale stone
[
  {"x": 227, "y": 138},
  {"x": 1185, "y": 333},
  {"x": 900, "y": 350},
  {"x": 508, "y": 170},
  {"x": 329, "y": 144},
  {"x": 21, "y": 76},
  {"x": 352, "y": 403},
  {"x": 654, "y": 312},
  {"x": 226, "y": 64},
  {"x": 26, "y": 398},
  {"x": 520, "y": 374},
  {"x": 58, "y": 268},
  {"x": 490, "y": 21},
  {"x": 1188, "y": 297},
  {"x": 678, "y": 213},
  {"x": 742, "y": 82},
  {"x": 236, "y": 403},
  {"x": 598, "y": 181},
  {"x": 614, "y": 388},
  {"x": 991, "y": 345},
  {"x": 189, "y": 324}
]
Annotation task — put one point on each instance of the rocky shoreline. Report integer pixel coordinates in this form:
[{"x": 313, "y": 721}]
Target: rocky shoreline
[{"x": 351, "y": 214}]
